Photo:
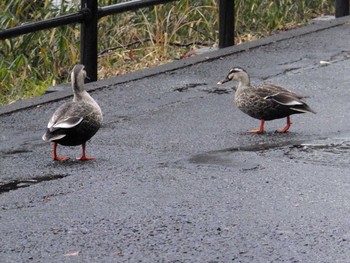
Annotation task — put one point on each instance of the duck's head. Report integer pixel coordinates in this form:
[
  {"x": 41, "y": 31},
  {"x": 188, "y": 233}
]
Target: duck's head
[
  {"x": 78, "y": 76},
  {"x": 235, "y": 73}
]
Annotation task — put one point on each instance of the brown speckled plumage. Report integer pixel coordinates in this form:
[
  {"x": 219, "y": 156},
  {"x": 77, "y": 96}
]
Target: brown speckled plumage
[{"x": 265, "y": 102}]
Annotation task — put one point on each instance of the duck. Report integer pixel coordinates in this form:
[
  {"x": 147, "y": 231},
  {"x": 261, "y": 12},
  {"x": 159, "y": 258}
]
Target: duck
[
  {"x": 265, "y": 102},
  {"x": 77, "y": 121}
]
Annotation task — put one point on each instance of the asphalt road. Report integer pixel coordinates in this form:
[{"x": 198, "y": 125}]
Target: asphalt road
[{"x": 176, "y": 177}]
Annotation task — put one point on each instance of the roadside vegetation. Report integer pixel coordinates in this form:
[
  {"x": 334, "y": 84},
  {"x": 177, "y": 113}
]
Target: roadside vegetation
[{"x": 31, "y": 63}]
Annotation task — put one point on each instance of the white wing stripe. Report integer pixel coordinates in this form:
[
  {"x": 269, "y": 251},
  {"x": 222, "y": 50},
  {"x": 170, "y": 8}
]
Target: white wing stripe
[{"x": 67, "y": 123}]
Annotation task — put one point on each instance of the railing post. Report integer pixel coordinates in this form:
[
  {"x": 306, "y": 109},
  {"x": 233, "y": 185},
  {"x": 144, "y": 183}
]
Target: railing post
[
  {"x": 88, "y": 39},
  {"x": 226, "y": 23},
  {"x": 341, "y": 8}
]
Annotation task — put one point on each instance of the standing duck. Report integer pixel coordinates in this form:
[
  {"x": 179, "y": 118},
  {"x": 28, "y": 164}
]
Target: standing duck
[
  {"x": 75, "y": 122},
  {"x": 265, "y": 102}
]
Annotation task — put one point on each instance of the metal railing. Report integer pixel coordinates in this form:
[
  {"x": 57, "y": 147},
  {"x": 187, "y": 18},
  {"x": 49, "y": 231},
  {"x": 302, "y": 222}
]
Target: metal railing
[
  {"x": 90, "y": 13},
  {"x": 341, "y": 8}
]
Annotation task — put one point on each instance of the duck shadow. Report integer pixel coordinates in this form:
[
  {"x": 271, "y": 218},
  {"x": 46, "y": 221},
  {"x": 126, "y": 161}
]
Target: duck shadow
[
  {"x": 71, "y": 162},
  {"x": 243, "y": 157},
  {"x": 329, "y": 151}
]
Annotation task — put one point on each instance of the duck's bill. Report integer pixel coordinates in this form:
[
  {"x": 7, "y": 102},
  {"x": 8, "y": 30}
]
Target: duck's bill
[{"x": 223, "y": 81}]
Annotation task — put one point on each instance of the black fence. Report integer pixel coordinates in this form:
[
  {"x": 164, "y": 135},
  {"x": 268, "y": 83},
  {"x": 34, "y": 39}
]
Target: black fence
[
  {"x": 90, "y": 13},
  {"x": 341, "y": 8}
]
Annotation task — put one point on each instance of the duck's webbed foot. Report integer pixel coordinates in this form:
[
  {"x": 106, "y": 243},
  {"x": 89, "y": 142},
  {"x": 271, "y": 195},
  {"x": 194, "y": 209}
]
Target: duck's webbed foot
[
  {"x": 285, "y": 128},
  {"x": 55, "y": 156},
  {"x": 261, "y": 128},
  {"x": 83, "y": 157}
]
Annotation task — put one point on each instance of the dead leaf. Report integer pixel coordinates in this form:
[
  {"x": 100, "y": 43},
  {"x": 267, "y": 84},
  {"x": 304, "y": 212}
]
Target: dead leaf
[{"x": 72, "y": 254}]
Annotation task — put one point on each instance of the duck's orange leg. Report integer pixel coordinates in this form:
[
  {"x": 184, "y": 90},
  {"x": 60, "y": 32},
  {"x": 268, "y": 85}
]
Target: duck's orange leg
[
  {"x": 261, "y": 129},
  {"x": 83, "y": 157},
  {"x": 286, "y": 128},
  {"x": 55, "y": 156}
]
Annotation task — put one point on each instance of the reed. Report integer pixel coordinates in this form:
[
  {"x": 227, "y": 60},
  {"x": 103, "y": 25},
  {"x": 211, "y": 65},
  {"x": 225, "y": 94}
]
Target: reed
[{"x": 31, "y": 63}]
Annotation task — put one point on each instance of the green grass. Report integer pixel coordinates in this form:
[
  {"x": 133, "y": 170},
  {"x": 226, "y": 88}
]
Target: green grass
[
  {"x": 258, "y": 18},
  {"x": 134, "y": 40}
]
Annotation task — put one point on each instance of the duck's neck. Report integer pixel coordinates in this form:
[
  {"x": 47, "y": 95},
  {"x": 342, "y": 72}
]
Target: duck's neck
[
  {"x": 78, "y": 85},
  {"x": 243, "y": 82},
  {"x": 85, "y": 97},
  {"x": 81, "y": 95},
  {"x": 79, "y": 91}
]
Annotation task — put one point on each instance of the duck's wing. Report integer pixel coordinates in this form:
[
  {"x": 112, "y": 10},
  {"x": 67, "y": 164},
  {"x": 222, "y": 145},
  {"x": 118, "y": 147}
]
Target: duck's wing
[
  {"x": 66, "y": 116},
  {"x": 57, "y": 130},
  {"x": 271, "y": 89},
  {"x": 290, "y": 100},
  {"x": 66, "y": 123}
]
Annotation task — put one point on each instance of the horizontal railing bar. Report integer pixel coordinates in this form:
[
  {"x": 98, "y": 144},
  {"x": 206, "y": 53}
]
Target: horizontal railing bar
[
  {"x": 46, "y": 24},
  {"x": 77, "y": 17},
  {"x": 129, "y": 6}
]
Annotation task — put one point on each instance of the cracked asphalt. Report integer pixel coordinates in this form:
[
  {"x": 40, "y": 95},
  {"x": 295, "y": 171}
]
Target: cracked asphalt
[{"x": 176, "y": 177}]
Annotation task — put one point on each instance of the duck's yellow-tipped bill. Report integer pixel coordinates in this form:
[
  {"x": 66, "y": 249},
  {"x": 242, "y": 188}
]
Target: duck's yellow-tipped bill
[{"x": 223, "y": 81}]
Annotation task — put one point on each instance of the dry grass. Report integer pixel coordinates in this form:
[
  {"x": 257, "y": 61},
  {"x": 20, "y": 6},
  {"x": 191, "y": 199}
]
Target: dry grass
[{"x": 133, "y": 40}]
